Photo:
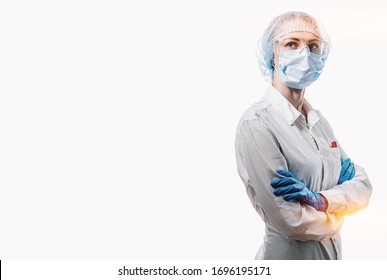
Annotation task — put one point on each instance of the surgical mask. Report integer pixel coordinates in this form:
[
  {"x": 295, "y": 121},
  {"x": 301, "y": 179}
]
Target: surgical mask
[{"x": 299, "y": 68}]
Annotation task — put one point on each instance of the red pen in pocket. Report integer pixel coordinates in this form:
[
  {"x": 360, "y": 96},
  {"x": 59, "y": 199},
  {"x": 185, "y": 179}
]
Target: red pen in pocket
[{"x": 333, "y": 144}]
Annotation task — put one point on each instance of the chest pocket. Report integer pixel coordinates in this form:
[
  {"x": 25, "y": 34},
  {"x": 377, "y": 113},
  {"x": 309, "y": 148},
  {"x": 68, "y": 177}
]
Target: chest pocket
[{"x": 330, "y": 154}]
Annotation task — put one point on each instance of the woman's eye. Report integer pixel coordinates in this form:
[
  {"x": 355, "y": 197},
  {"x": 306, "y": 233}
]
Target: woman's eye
[
  {"x": 314, "y": 48},
  {"x": 290, "y": 44}
]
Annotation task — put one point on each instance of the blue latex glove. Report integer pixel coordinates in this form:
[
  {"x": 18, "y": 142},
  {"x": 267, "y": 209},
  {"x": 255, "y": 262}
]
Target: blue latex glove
[
  {"x": 347, "y": 171},
  {"x": 292, "y": 188}
]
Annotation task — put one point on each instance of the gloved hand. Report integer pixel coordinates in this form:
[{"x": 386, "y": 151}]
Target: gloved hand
[
  {"x": 292, "y": 188},
  {"x": 347, "y": 171}
]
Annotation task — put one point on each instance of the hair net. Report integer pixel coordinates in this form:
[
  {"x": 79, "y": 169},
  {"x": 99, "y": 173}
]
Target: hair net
[{"x": 281, "y": 26}]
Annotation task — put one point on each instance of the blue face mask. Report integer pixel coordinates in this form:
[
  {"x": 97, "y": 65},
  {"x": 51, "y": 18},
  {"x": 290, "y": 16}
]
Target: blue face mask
[{"x": 299, "y": 68}]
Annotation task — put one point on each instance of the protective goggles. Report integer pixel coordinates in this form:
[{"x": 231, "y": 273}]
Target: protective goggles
[{"x": 316, "y": 46}]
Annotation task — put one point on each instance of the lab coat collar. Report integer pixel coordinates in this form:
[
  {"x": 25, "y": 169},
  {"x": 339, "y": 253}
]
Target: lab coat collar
[
  {"x": 313, "y": 115},
  {"x": 287, "y": 110}
]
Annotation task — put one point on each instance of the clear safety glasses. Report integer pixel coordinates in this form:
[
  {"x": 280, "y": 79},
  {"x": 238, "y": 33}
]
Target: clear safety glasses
[{"x": 315, "y": 46}]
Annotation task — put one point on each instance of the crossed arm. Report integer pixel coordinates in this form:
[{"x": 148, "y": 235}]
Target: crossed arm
[{"x": 299, "y": 221}]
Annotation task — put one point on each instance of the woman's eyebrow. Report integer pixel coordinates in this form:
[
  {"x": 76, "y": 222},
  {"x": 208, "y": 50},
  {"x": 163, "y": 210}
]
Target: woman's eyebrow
[
  {"x": 292, "y": 38},
  {"x": 313, "y": 40},
  {"x": 298, "y": 40}
]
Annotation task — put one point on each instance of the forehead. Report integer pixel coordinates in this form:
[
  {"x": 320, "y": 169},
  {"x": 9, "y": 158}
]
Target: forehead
[{"x": 301, "y": 35}]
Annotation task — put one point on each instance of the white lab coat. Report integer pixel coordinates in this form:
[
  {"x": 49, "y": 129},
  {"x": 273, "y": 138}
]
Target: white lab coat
[{"x": 273, "y": 135}]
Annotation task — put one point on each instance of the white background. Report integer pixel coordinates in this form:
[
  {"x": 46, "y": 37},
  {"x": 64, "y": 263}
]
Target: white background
[{"x": 118, "y": 118}]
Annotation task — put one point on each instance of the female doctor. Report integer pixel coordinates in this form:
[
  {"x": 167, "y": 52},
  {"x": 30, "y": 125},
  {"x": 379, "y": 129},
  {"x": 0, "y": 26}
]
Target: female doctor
[{"x": 296, "y": 174}]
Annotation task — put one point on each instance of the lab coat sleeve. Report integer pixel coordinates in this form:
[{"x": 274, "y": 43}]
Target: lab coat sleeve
[
  {"x": 351, "y": 196},
  {"x": 258, "y": 156}
]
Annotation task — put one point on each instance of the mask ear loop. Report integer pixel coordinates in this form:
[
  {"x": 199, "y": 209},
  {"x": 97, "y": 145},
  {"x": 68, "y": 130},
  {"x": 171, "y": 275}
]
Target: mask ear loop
[
  {"x": 274, "y": 68},
  {"x": 273, "y": 65},
  {"x": 274, "y": 49},
  {"x": 274, "y": 52}
]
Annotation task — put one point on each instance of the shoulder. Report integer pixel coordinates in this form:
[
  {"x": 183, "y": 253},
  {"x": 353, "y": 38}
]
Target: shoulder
[
  {"x": 254, "y": 117},
  {"x": 323, "y": 121},
  {"x": 255, "y": 110}
]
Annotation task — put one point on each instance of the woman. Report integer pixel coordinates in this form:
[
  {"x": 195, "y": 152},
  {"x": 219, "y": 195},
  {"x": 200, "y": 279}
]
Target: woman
[{"x": 297, "y": 176}]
